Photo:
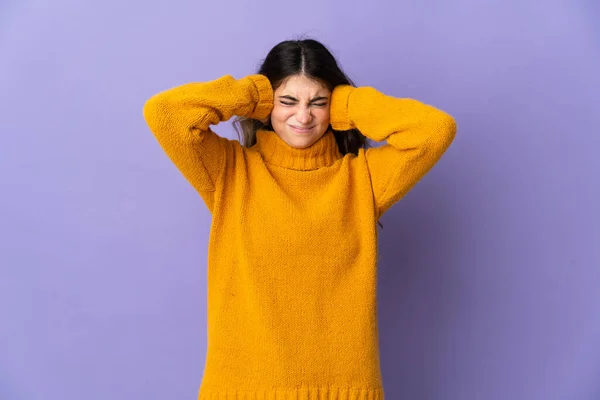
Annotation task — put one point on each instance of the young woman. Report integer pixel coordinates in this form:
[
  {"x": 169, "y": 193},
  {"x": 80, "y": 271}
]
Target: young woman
[{"x": 292, "y": 253}]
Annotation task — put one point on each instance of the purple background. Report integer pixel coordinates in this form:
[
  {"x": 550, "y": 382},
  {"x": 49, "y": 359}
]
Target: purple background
[{"x": 490, "y": 267}]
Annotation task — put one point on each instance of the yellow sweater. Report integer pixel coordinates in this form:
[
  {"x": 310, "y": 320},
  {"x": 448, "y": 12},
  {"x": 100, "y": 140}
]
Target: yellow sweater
[{"x": 292, "y": 253}]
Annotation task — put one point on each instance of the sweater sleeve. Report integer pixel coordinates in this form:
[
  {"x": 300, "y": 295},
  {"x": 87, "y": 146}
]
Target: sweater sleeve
[
  {"x": 416, "y": 136},
  {"x": 180, "y": 118}
]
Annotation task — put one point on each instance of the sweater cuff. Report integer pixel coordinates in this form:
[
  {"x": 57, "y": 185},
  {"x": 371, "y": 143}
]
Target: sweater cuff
[
  {"x": 338, "y": 113},
  {"x": 264, "y": 96}
]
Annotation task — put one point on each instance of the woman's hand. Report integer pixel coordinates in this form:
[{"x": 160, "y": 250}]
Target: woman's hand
[{"x": 338, "y": 112}]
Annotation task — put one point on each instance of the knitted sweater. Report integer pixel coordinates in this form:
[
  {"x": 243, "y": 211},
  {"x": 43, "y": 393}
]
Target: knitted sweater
[{"x": 292, "y": 253}]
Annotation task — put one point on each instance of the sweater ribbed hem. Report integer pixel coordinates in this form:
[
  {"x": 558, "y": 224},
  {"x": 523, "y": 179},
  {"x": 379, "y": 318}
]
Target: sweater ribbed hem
[
  {"x": 339, "y": 114},
  {"x": 304, "y": 393},
  {"x": 264, "y": 103}
]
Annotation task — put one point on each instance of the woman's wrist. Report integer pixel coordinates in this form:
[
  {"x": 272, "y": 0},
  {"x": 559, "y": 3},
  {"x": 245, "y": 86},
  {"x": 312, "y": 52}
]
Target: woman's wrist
[
  {"x": 262, "y": 96},
  {"x": 338, "y": 112}
]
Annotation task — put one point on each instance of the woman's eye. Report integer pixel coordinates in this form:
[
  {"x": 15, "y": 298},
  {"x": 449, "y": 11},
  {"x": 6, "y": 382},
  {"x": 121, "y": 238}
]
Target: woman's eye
[{"x": 291, "y": 104}]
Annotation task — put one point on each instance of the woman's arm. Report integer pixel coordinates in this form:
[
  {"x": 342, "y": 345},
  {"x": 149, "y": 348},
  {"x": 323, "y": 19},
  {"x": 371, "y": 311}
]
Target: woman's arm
[
  {"x": 417, "y": 135},
  {"x": 180, "y": 118}
]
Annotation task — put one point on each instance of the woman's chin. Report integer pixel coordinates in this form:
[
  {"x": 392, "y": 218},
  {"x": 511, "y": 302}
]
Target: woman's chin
[{"x": 300, "y": 140}]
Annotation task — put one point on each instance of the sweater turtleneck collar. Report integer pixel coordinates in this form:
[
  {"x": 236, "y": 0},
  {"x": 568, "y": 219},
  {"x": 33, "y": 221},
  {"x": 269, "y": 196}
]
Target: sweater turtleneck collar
[{"x": 324, "y": 152}]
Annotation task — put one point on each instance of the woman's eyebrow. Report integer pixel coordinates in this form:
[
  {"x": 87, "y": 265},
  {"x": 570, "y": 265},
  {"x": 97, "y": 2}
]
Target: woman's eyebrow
[{"x": 295, "y": 99}]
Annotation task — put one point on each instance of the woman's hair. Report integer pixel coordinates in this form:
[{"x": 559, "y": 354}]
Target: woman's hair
[{"x": 312, "y": 59}]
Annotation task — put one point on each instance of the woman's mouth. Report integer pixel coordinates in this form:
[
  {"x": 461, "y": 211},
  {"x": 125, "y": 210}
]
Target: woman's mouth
[{"x": 301, "y": 130}]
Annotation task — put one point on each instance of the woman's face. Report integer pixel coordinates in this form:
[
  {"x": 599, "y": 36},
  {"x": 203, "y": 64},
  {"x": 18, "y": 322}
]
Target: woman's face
[{"x": 300, "y": 114}]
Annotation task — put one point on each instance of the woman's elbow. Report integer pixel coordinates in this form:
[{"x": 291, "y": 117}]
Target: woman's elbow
[{"x": 443, "y": 130}]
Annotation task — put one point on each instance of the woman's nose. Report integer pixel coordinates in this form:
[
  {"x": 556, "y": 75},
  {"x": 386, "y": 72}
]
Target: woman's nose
[{"x": 303, "y": 115}]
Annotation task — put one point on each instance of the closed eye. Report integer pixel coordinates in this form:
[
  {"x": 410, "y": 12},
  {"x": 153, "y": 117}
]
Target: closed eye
[{"x": 291, "y": 104}]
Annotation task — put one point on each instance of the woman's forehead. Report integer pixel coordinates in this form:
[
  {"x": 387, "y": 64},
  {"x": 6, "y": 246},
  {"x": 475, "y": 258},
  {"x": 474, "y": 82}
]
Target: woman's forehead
[{"x": 300, "y": 85}]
